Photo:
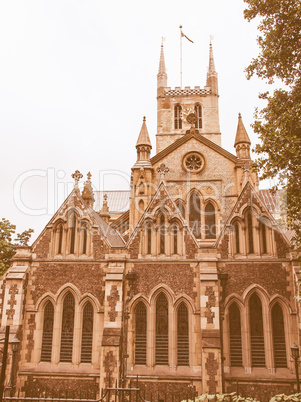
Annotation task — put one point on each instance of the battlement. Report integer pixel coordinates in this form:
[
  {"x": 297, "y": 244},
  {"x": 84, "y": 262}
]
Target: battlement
[{"x": 178, "y": 91}]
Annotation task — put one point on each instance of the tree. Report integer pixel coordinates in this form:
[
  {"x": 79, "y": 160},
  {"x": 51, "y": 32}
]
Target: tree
[
  {"x": 278, "y": 123},
  {"x": 7, "y": 247}
]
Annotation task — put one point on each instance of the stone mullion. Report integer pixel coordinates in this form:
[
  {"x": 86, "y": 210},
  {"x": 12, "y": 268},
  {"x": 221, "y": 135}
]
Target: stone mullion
[
  {"x": 154, "y": 241},
  {"x": 56, "y": 341},
  {"x": 167, "y": 240},
  {"x": 172, "y": 333},
  {"x": 76, "y": 240},
  {"x": 244, "y": 240},
  {"x": 256, "y": 239},
  {"x": 55, "y": 245},
  {"x": 246, "y": 340},
  {"x": 76, "y": 353},
  {"x": 180, "y": 241},
  {"x": 88, "y": 247},
  {"x": 68, "y": 240},
  {"x": 151, "y": 336},
  {"x": 268, "y": 339}
]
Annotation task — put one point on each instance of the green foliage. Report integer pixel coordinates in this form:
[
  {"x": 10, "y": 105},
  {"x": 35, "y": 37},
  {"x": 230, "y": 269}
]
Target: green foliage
[
  {"x": 278, "y": 124},
  {"x": 7, "y": 247}
]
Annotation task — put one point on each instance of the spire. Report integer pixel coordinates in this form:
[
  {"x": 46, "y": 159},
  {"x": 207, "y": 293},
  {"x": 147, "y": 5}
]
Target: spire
[
  {"x": 104, "y": 212},
  {"x": 242, "y": 141},
  {"x": 143, "y": 138},
  {"x": 162, "y": 76},
  {"x": 212, "y": 74},
  {"x": 143, "y": 145}
]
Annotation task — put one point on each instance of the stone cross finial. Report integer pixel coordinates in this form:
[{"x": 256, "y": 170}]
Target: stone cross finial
[
  {"x": 76, "y": 176},
  {"x": 162, "y": 170}
]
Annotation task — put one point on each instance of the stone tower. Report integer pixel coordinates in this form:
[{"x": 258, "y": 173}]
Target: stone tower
[{"x": 174, "y": 104}]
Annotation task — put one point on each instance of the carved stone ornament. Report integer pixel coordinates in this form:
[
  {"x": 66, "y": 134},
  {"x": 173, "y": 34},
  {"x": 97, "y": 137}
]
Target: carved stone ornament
[
  {"x": 193, "y": 162},
  {"x": 191, "y": 118}
]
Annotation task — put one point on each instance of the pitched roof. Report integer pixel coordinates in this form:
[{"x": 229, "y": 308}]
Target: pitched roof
[
  {"x": 241, "y": 133},
  {"x": 186, "y": 138},
  {"x": 118, "y": 201}
]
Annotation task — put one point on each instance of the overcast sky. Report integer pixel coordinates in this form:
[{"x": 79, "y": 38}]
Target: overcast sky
[{"x": 77, "y": 77}]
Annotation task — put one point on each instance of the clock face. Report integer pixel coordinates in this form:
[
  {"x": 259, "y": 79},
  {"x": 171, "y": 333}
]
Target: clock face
[{"x": 193, "y": 162}]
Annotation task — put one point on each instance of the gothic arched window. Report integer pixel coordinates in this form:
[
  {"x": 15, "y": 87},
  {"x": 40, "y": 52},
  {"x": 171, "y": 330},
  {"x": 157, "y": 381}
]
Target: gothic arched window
[
  {"x": 73, "y": 232},
  {"x": 278, "y": 337},
  {"x": 60, "y": 239},
  {"x": 236, "y": 234},
  {"x": 162, "y": 234},
  {"x": 161, "y": 351},
  {"x": 47, "y": 332},
  {"x": 250, "y": 233},
  {"x": 175, "y": 238},
  {"x": 263, "y": 238},
  {"x": 67, "y": 328},
  {"x": 257, "y": 334},
  {"x": 195, "y": 214},
  {"x": 183, "y": 335},
  {"x": 149, "y": 239},
  {"x": 178, "y": 117},
  {"x": 198, "y": 115},
  {"x": 140, "y": 334},
  {"x": 85, "y": 239},
  {"x": 210, "y": 221},
  {"x": 235, "y": 336},
  {"x": 87, "y": 334}
]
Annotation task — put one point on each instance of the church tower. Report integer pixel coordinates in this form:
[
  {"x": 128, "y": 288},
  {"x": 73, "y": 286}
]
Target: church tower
[{"x": 173, "y": 105}]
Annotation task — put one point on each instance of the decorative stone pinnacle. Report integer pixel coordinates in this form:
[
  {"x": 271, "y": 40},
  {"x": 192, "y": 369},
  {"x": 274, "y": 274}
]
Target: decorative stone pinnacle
[
  {"x": 162, "y": 170},
  {"x": 76, "y": 176},
  {"x": 89, "y": 175}
]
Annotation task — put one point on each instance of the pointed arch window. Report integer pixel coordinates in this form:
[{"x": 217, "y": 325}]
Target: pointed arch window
[
  {"x": 183, "y": 335},
  {"x": 235, "y": 336},
  {"x": 178, "y": 117},
  {"x": 250, "y": 233},
  {"x": 278, "y": 337},
  {"x": 236, "y": 234},
  {"x": 175, "y": 238},
  {"x": 149, "y": 239},
  {"x": 87, "y": 334},
  {"x": 162, "y": 234},
  {"x": 85, "y": 239},
  {"x": 73, "y": 232},
  {"x": 195, "y": 214},
  {"x": 198, "y": 115},
  {"x": 263, "y": 238},
  {"x": 47, "y": 332},
  {"x": 140, "y": 334},
  {"x": 67, "y": 328},
  {"x": 257, "y": 334},
  {"x": 60, "y": 239},
  {"x": 161, "y": 349},
  {"x": 210, "y": 225}
]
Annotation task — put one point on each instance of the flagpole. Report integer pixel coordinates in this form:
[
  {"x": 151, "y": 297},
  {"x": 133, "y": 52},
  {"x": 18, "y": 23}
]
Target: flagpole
[{"x": 180, "y": 56}]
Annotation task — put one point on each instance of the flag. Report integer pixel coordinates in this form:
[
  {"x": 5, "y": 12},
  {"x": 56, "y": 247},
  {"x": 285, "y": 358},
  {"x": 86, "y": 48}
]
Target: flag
[{"x": 186, "y": 37}]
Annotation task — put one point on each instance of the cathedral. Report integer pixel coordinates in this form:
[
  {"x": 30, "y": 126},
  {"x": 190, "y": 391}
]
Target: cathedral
[{"x": 187, "y": 280}]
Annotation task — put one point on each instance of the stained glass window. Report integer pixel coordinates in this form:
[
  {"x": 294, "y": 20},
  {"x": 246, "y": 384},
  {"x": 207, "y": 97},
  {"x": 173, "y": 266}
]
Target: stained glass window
[{"x": 178, "y": 117}]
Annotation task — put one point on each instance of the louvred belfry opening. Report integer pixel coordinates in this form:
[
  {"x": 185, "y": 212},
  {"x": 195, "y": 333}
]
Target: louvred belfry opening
[
  {"x": 47, "y": 333},
  {"x": 183, "y": 337},
  {"x": 140, "y": 338},
  {"x": 87, "y": 334},
  {"x": 235, "y": 336},
  {"x": 278, "y": 337},
  {"x": 257, "y": 335}
]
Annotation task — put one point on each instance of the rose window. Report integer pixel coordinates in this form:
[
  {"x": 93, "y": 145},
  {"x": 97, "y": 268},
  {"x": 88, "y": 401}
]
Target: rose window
[{"x": 193, "y": 162}]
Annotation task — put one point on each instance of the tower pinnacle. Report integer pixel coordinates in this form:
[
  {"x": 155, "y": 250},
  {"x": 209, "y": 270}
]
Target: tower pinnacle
[
  {"x": 162, "y": 76},
  {"x": 242, "y": 141},
  {"x": 143, "y": 144}
]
